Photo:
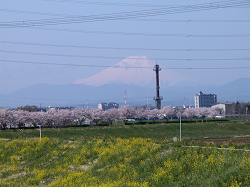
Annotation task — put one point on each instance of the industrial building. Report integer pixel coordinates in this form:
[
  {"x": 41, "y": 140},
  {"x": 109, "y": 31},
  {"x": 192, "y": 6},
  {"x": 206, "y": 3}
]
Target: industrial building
[
  {"x": 204, "y": 100},
  {"x": 228, "y": 108},
  {"x": 106, "y": 106}
]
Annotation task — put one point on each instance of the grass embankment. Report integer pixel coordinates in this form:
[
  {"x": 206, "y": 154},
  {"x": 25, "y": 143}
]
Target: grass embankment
[
  {"x": 123, "y": 156},
  {"x": 155, "y": 132}
]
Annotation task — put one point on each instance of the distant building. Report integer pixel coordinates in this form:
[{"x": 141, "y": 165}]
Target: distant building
[
  {"x": 228, "y": 108},
  {"x": 58, "y": 108},
  {"x": 106, "y": 106},
  {"x": 204, "y": 100}
]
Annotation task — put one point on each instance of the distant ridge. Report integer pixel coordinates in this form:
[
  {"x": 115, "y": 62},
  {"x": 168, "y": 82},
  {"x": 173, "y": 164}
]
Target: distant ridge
[
  {"x": 136, "y": 70},
  {"x": 77, "y": 95}
]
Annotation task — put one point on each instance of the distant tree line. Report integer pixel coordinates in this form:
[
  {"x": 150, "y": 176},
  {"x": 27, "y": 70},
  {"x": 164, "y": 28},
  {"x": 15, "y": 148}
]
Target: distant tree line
[
  {"x": 63, "y": 117},
  {"x": 241, "y": 108},
  {"x": 29, "y": 108}
]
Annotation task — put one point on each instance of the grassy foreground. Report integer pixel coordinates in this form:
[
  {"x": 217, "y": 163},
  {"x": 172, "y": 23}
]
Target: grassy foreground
[
  {"x": 123, "y": 156},
  {"x": 155, "y": 132}
]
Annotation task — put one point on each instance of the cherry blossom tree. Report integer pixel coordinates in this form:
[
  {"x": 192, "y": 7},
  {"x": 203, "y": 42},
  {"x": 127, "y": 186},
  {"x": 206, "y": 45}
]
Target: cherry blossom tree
[
  {"x": 36, "y": 117},
  {"x": 166, "y": 112},
  {"x": 6, "y": 117},
  {"x": 50, "y": 118},
  {"x": 96, "y": 115},
  {"x": 141, "y": 113},
  {"x": 88, "y": 114},
  {"x": 110, "y": 115},
  {"x": 21, "y": 117},
  {"x": 153, "y": 114},
  {"x": 215, "y": 111},
  {"x": 126, "y": 112},
  {"x": 190, "y": 113},
  {"x": 79, "y": 115},
  {"x": 66, "y": 117},
  {"x": 203, "y": 112}
]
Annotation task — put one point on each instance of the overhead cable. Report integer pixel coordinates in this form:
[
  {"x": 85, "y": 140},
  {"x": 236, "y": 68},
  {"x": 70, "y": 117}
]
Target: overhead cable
[
  {"x": 125, "y": 15},
  {"x": 142, "y": 34},
  {"x": 117, "y": 48},
  {"x": 109, "y": 57},
  {"x": 136, "y": 19},
  {"x": 108, "y": 3},
  {"x": 105, "y": 66}
]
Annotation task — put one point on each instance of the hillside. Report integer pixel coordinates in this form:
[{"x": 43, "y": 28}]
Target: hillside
[{"x": 80, "y": 94}]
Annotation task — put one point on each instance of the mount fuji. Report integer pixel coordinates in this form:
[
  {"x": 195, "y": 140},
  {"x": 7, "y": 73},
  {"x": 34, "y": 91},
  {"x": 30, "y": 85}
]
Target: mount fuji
[
  {"x": 135, "y": 75},
  {"x": 134, "y": 70}
]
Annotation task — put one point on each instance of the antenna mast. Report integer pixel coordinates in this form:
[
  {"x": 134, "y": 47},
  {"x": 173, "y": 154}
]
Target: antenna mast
[
  {"x": 125, "y": 97},
  {"x": 148, "y": 101}
]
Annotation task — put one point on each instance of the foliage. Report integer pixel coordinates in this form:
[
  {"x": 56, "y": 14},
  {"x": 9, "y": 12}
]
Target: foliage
[
  {"x": 119, "y": 162},
  {"x": 63, "y": 117},
  {"x": 28, "y": 108},
  {"x": 156, "y": 132},
  {"x": 240, "y": 108}
]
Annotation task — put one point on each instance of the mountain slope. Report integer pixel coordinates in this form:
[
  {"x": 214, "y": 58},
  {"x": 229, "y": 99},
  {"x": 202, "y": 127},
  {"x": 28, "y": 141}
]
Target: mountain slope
[
  {"x": 79, "y": 94},
  {"x": 134, "y": 70}
]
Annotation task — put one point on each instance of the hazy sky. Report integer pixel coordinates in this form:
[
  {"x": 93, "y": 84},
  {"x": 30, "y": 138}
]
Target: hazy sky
[{"x": 36, "y": 35}]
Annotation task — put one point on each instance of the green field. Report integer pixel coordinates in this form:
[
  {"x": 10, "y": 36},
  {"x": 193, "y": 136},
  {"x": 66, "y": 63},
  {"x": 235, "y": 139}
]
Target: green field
[
  {"x": 134, "y": 155},
  {"x": 154, "y": 132}
]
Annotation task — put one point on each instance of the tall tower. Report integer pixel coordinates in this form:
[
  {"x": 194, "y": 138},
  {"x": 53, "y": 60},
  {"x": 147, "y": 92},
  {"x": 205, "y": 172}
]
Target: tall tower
[
  {"x": 125, "y": 97},
  {"x": 157, "y": 98},
  {"x": 148, "y": 101}
]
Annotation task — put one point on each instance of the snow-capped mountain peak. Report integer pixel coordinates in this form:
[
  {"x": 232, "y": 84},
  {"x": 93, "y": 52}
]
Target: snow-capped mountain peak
[{"x": 136, "y": 70}]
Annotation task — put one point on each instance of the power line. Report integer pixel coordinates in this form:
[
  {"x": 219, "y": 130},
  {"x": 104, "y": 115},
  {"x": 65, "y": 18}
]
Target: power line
[
  {"x": 139, "y": 34},
  {"x": 57, "y": 64},
  {"x": 36, "y": 13},
  {"x": 109, "y": 4},
  {"x": 101, "y": 66},
  {"x": 109, "y": 57},
  {"x": 125, "y": 15},
  {"x": 193, "y": 20},
  {"x": 136, "y": 19},
  {"x": 118, "y": 48}
]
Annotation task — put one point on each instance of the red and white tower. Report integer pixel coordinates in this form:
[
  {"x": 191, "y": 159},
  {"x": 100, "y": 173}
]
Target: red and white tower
[{"x": 125, "y": 98}]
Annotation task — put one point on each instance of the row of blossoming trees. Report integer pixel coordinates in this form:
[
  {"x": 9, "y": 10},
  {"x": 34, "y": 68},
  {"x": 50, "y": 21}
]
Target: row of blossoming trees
[{"x": 78, "y": 115}]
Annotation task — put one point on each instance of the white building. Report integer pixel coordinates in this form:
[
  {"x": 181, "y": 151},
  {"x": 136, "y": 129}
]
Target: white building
[
  {"x": 226, "y": 107},
  {"x": 106, "y": 106},
  {"x": 204, "y": 100}
]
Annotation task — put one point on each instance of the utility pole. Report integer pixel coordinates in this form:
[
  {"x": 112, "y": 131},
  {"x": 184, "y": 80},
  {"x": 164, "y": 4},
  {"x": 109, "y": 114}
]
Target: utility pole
[
  {"x": 180, "y": 126},
  {"x": 157, "y": 98},
  {"x": 125, "y": 99},
  {"x": 148, "y": 101},
  {"x": 184, "y": 103}
]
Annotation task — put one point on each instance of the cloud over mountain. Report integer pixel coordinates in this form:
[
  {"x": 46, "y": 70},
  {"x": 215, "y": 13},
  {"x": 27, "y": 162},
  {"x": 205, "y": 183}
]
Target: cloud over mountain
[{"x": 136, "y": 70}]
